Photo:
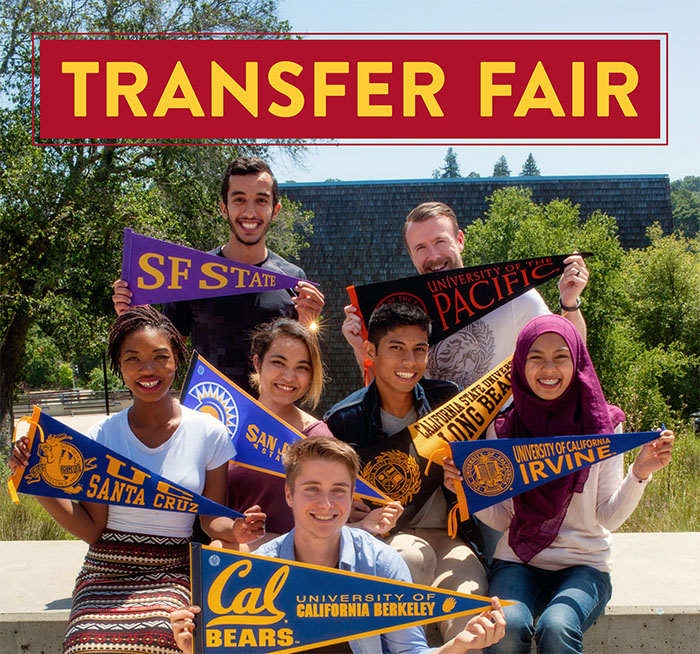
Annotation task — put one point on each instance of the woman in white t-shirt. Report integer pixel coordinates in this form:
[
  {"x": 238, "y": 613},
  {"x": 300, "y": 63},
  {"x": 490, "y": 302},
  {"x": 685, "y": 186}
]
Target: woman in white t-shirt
[{"x": 136, "y": 570}]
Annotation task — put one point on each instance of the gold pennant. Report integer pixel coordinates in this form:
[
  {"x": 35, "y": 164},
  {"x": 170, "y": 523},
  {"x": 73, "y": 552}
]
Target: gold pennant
[{"x": 465, "y": 416}]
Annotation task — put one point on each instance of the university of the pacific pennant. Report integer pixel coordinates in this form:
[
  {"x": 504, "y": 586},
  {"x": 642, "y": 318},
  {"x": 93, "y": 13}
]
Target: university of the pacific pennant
[
  {"x": 495, "y": 470},
  {"x": 256, "y": 604},
  {"x": 259, "y": 436},
  {"x": 63, "y": 463},
  {"x": 159, "y": 271},
  {"x": 456, "y": 298}
]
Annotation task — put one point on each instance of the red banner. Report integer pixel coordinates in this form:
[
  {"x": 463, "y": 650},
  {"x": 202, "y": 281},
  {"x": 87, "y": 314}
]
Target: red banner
[{"x": 487, "y": 89}]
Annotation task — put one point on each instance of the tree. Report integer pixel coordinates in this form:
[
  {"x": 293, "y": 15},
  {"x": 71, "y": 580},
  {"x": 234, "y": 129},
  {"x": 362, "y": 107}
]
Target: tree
[
  {"x": 500, "y": 168},
  {"x": 473, "y": 174},
  {"x": 530, "y": 168},
  {"x": 63, "y": 208},
  {"x": 450, "y": 169},
  {"x": 685, "y": 205}
]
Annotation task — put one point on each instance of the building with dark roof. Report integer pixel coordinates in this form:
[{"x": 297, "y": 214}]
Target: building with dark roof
[{"x": 357, "y": 232}]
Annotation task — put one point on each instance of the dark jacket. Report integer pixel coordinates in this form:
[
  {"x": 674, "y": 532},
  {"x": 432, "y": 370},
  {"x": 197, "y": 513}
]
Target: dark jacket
[{"x": 357, "y": 419}]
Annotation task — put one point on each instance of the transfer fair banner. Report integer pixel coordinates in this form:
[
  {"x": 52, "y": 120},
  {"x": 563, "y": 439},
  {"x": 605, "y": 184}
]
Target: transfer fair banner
[
  {"x": 495, "y": 470},
  {"x": 258, "y": 435},
  {"x": 65, "y": 464},
  {"x": 456, "y": 298},
  {"x": 257, "y": 604},
  {"x": 158, "y": 271}
]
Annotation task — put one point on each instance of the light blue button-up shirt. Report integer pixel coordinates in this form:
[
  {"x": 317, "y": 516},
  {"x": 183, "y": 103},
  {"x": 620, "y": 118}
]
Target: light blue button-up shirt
[{"x": 361, "y": 552}]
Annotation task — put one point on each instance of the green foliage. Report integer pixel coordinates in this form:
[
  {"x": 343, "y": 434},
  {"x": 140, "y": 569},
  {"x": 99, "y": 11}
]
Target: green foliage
[
  {"x": 670, "y": 502},
  {"x": 500, "y": 168},
  {"x": 473, "y": 174},
  {"x": 685, "y": 205},
  {"x": 96, "y": 380},
  {"x": 42, "y": 363},
  {"x": 27, "y": 520},
  {"x": 642, "y": 308},
  {"x": 450, "y": 168},
  {"x": 530, "y": 168},
  {"x": 65, "y": 376},
  {"x": 290, "y": 230}
]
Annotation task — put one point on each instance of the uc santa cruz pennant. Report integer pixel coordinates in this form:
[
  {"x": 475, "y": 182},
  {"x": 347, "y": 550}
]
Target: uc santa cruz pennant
[
  {"x": 259, "y": 436},
  {"x": 65, "y": 464},
  {"x": 456, "y": 298},
  {"x": 494, "y": 470},
  {"x": 257, "y": 604},
  {"x": 159, "y": 271}
]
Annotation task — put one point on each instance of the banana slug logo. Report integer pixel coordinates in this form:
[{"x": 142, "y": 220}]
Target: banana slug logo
[
  {"x": 61, "y": 464},
  {"x": 395, "y": 473},
  {"x": 488, "y": 472}
]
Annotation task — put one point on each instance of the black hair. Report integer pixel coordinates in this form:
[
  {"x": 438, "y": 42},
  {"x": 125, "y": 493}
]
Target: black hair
[
  {"x": 389, "y": 315},
  {"x": 141, "y": 318},
  {"x": 248, "y": 166}
]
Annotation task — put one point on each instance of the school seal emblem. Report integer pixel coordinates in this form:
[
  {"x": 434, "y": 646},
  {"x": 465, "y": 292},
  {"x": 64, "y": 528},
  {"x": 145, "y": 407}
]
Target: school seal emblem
[
  {"x": 217, "y": 401},
  {"x": 61, "y": 464},
  {"x": 395, "y": 473},
  {"x": 488, "y": 472}
]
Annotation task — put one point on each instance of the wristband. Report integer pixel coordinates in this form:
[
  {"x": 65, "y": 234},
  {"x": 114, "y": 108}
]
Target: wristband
[{"x": 570, "y": 309}]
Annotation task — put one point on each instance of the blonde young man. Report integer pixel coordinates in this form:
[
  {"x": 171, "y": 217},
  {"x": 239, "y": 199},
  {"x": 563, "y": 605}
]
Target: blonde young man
[{"x": 321, "y": 473}]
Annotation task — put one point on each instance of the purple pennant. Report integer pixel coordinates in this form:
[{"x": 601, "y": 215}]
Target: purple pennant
[{"x": 158, "y": 271}]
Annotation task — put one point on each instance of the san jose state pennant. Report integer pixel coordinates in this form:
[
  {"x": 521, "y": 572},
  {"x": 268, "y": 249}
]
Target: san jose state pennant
[
  {"x": 63, "y": 463},
  {"x": 159, "y": 271},
  {"x": 495, "y": 470},
  {"x": 257, "y": 604},
  {"x": 259, "y": 436},
  {"x": 456, "y": 298}
]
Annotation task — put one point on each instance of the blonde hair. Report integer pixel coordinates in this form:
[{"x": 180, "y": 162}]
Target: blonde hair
[
  {"x": 264, "y": 335},
  {"x": 325, "y": 448}
]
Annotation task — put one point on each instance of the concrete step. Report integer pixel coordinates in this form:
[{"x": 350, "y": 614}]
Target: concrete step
[{"x": 655, "y": 605}]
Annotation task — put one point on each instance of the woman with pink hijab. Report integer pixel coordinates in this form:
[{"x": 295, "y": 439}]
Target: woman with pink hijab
[{"x": 554, "y": 556}]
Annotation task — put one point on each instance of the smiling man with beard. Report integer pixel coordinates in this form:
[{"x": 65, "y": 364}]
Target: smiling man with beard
[{"x": 219, "y": 326}]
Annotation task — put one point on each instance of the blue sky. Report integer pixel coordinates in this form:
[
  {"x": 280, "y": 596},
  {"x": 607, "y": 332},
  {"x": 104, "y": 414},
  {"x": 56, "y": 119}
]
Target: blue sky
[{"x": 679, "y": 18}]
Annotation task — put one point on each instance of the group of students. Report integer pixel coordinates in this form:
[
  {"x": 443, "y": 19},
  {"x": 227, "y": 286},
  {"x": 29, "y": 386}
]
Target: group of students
[{"x": 553, "y": 551}]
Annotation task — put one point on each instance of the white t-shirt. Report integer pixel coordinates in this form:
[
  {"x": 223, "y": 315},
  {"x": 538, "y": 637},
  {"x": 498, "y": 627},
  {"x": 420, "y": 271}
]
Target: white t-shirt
[
  {"x": 467, "y": 355},
  {"x": 200, "y": 443}
]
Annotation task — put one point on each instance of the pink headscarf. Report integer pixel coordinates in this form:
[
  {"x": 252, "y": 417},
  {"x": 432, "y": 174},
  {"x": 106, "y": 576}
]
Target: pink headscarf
[{"x": 581, "y": 409}]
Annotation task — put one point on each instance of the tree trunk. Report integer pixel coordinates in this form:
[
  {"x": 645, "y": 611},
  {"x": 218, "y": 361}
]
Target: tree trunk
[{"x": 11, "y": 357}]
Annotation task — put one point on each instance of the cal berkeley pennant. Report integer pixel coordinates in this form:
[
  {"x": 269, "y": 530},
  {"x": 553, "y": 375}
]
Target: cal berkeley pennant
[
  {"x": 495, "y": 470},
  {"x": 158, "y": 271},
  {"x": 256, "y": 604},
  {"x": 456, "y": 298},
  {"x": 63, "y": 463},
  {"x": 466, "y": 415},
  {"x": 259, "y": 436}
]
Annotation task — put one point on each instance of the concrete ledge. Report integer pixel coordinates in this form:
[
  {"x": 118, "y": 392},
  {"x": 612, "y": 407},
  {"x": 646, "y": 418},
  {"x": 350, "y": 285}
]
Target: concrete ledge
[{"x": 655, "y": 606}]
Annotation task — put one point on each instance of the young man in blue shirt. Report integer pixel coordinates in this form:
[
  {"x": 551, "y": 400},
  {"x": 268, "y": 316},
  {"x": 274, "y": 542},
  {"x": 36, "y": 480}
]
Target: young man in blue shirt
[{"x": 321, "y": 473}]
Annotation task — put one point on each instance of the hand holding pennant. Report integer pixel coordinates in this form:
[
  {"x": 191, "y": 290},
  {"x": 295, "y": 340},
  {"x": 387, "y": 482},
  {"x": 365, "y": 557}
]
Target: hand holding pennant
[
  {"x": 63, "y": 463},
  {"x": 456, "y": 298},
  {"x": 259, "y": 436},
  {"x": 159, "y": 271},
  {"x": 494, "y": 470},
  {"x": 256, "y": 604}
]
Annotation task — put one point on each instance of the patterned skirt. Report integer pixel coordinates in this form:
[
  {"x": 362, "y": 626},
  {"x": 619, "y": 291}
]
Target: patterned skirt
[{"x": 127, "y": 588}]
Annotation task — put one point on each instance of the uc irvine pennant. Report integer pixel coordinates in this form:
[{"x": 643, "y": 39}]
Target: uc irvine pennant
[
  {"x": 259, "y": 436},
  {"x": 456, "y": 298},
  {"x": 158, "y": 271},
  {"x": 256, "y": 604},
  {"x": 63, "y": 463},
  {"x": 495, "y": 470}
]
